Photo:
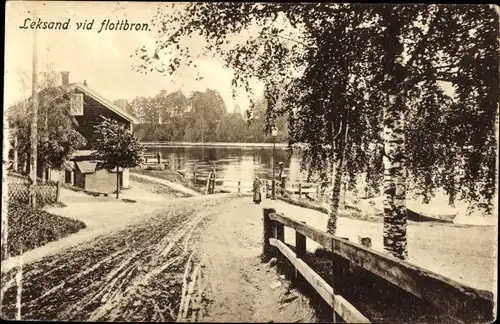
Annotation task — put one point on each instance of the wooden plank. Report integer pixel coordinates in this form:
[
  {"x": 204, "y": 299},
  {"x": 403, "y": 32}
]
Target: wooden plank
[
  {"x": 338, "y": 303},
  {"x": 453, "y": 298},
  {"x": 307, "y": 230},
  {"x": 447, "y": 295},
  {"x": 308, "y": 190},
  {"x": 268, "y": 231},
  {"x": 279, "y": 235},
  {"x": 300, "y": 252},
  {"x": 300, "y": 245}
]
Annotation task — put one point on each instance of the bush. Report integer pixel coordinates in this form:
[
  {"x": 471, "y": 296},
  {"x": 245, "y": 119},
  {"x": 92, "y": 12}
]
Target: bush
[{"x": 29, "y": 229}]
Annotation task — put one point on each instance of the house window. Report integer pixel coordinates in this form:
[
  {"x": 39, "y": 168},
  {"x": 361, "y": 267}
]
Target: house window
[{"x": 76, "y": 104}]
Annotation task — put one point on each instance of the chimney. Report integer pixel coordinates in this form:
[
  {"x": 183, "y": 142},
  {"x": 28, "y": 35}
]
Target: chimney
[
  {"x": 85, "y": 82},
  {"x": 65, "y": 78}
]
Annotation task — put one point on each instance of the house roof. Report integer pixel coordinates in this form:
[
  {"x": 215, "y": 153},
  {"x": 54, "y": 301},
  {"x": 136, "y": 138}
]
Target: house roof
[
  {"x": 103, "y": 101},
  {"x": 86, "y": 166},
  {"x": 99, "y": 98},
  {"x": 82, "y": 153}
]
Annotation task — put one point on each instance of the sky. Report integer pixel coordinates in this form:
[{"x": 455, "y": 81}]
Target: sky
[{"x": 102, "y": 59}]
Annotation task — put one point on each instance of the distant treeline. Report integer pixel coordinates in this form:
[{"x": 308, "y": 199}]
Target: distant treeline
[{"x": 201, "y": 117}]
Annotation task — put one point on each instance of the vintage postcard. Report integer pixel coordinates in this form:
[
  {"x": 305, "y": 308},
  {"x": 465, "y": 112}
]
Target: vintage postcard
[{"x": 250, "y": 162}]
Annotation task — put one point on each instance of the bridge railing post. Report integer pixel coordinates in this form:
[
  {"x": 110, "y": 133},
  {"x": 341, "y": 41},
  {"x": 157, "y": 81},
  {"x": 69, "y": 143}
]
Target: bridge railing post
[
  {"x": 279, "y": 234},
  {"x": 268, "y": 233},
  {"x": 300, "y": 252},
  {"x": 58, "y": 190},
  {"x": 194, "y": 173}
]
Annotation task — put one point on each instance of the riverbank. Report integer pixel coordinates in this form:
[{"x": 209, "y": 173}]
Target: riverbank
[
  {"x": 173, "y": 179},
  {"x": 214, "y": 144},
  {"x": 355, "y": 208}
]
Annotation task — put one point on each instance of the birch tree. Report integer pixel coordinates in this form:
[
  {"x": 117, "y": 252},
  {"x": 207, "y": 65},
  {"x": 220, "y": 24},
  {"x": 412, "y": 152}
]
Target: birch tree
[
  {"x": 58, "y": 137},
  {"x": 370, "y": 69},
  {"x": 424, "y": 46}
]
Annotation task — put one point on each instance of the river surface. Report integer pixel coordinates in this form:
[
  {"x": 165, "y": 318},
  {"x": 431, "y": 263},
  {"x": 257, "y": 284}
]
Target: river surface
[
  {"x": 243, "y": 163},
  {"x": 234, "y": 163}
]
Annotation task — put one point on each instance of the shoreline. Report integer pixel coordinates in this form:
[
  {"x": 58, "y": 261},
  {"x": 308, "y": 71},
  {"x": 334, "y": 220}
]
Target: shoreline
[
  {"x": 168, "y": 178},
  {"x": 214, "y": 144},
  {"x": 352, "y": 213}
]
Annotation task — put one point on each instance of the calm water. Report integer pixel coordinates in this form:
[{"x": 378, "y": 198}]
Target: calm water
[{"x": 243, "y": 163}]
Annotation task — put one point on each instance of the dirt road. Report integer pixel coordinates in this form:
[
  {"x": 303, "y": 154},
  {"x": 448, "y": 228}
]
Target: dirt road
[{"x": 197, "y": 259}]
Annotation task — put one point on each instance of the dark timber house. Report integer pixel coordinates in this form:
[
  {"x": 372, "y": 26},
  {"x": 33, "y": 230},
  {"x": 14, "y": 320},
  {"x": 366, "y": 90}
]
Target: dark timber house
[{"x": 87, "y": 106}]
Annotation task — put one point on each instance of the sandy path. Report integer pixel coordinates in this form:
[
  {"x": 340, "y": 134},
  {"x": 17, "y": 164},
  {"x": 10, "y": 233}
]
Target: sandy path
[
  {"x": 466, "y": 254},
  {"x": 101, "y": 216},
  {"x": 237, "y": 285}
]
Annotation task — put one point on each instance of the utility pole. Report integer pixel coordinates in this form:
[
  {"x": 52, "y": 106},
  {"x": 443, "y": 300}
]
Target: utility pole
[
  {"x": 34, "y": 120},
  {"x": 274, "y": 133}
]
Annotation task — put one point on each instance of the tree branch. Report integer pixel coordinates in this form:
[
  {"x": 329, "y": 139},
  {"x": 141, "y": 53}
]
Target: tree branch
[
  {"x": 423, "y": 42},
  {"x": 439, "y": 76},
  {"x": 290, "y": 39}
]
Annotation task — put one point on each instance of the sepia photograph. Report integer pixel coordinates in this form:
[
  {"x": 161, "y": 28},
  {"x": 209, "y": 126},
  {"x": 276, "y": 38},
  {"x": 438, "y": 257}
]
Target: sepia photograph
[{"x": 250, "y": 162}]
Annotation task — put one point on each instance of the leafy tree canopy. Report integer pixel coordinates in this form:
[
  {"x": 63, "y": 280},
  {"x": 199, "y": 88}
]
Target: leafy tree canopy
[
  {"x": 58, "y": 137},
  {"x": 331, "y": 65},
  {"x": 116, "y": 146}
]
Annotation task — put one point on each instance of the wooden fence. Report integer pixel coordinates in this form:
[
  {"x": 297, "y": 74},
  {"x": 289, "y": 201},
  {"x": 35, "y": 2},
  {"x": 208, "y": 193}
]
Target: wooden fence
[
  {"x": 46, "y": 192},
  {"x": 202, "y": 171},
  {"x": 461, "y": 303},
  {"x": 240, "y": 186}
]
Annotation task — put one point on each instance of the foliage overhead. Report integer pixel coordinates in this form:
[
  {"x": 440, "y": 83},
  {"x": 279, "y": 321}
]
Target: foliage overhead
[{"x": 325, "y": 64}]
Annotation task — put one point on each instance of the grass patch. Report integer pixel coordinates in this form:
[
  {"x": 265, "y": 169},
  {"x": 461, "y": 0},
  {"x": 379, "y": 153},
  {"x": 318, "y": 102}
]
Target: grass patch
[
  {"x": 158, "y": 188},
  {"x": 29, "y": 229}
]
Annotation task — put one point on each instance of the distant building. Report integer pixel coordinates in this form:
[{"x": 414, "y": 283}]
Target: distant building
[{"x": 87, "y": 106}]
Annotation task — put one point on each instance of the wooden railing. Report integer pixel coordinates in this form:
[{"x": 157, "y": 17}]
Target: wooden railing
[
  {"x": 292, "y": 187},
  {"x": 240, "y": 186},
  {"x": 461, "y": 303}
]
